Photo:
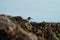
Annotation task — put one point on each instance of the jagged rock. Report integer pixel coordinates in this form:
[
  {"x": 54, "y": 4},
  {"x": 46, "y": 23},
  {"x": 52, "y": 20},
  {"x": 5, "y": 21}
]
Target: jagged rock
[{"x": 17, "y": 28}]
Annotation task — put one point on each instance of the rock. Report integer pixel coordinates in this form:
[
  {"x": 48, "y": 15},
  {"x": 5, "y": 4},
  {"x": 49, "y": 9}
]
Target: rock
[{"x": 17, "y": 28}]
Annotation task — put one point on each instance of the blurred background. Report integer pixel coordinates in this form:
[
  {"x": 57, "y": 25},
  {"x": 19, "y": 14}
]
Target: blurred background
[{"x": 39, "y": 10}]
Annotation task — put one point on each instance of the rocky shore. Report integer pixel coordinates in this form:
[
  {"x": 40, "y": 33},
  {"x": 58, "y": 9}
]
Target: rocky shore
[{"x": 17, "y": 28}]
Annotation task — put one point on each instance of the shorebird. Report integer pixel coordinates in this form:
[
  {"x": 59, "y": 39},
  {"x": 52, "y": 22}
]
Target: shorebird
[{"x": 29, "y": 19}]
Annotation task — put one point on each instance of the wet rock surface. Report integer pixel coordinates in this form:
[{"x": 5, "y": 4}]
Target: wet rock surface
[{"x": 17, "y": 28}]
